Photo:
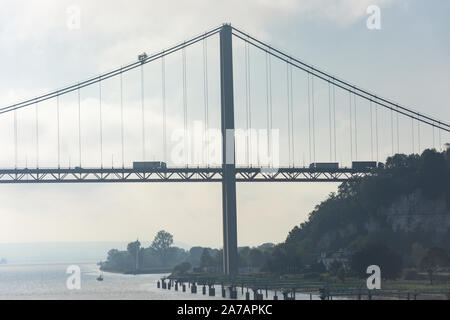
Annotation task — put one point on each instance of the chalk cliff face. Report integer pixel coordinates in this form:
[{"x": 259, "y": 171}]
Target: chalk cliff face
[
  {"x": 408, "y": 219},
  {"x": 415, "y": 213}
]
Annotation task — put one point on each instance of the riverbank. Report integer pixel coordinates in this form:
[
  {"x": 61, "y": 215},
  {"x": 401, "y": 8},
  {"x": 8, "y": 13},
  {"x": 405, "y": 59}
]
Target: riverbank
[{"x": 327, "y": 289}]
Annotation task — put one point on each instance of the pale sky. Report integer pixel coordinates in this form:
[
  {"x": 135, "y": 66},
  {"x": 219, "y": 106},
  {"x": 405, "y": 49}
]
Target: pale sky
[{"x": 406, "y": 61}]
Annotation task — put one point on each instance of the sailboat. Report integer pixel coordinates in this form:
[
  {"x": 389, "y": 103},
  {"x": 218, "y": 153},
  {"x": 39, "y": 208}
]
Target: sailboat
[{"x": 100, "y": 277}]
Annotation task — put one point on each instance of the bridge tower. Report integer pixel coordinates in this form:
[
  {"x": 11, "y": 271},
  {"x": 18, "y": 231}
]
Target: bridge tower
[{"x": 230, "y": 254}]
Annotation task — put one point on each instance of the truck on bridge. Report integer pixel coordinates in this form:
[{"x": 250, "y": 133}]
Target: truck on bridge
[
  {"x": 324, "y": 165},
  {"x": 149, "y": 165},
  {"x": 358, "y": 165}
]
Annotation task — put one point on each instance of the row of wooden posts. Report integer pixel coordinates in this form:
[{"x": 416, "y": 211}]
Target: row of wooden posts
[
  {"x": 257, "y": 292},
  {"x": 324, "y": 293}
]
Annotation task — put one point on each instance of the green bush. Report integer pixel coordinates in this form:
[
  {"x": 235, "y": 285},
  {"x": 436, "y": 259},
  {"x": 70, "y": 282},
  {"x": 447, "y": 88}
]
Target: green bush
[
  {"x": 311, "y": 275},
  {"x": 410, "y": 274}
]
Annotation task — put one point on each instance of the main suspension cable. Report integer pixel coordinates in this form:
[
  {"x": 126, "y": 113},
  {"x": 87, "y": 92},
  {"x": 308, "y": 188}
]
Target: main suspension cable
[
  {"x": 110, "y": 74},
  {"x": 342, "y": 84}
]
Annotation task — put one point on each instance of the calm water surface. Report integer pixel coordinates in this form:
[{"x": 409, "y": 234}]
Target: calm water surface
[{"x": 49, "y": 282}]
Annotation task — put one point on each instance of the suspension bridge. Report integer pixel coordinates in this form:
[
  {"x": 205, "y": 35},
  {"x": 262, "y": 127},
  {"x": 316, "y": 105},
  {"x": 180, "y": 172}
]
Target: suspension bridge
[{"x": 299, "y": 124}]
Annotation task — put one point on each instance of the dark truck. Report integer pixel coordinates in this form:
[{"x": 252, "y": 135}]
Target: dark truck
[
  {"x": 359, "y": 165},
  {"x": 324, "y": 165},
  {"x": 149, "y": 165}
]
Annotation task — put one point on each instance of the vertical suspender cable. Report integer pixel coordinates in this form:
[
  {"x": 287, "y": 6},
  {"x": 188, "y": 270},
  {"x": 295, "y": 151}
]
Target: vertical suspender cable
[
  {"x": 247, "y": 113},
  {"x": 289, "y": 112},
  {"x": 101, "y": 123},
  {"x": 267, "y": 107},
  {"x": 356, "y": 130},
  {"x": 57, "y": 120},
  {"x": 250, "y": 106},
  {"x": 37, "y": 136},
  {"x": 121, "y": 120},
  {"x": 15, "y": 139},
  {"x": 418, "y": 134},
  {"x": 292, "y": 119},
  {"x": 334, "y": 122},
  {"x": 163, "y": 88},
  {"x": 205, "y": 89},
  {"x": 434, "y": 145},
  {"x": 351, "y": 125},
  {"x": 398, "y": 133},
  {"x": 250, "y": 109},
  {"x": 269, "y": 74},
  {"x": 143, "y": 111},
  {"x": 329, "y": 120},
  {"x": 376, "y": 129},
  {"x": 309, "y": 120},
  {"x": 313, "y": 120},
  {"x": 185, "y": 106},
  {"x": 79, "y": 125},
  {"x": 371, "y": 131},
  {"x": 412, "y": 135},
  {"x": 392, "y": 131}
]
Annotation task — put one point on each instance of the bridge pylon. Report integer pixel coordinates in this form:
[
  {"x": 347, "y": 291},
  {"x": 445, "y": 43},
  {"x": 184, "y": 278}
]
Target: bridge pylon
[{"x": 230, "y": 250}]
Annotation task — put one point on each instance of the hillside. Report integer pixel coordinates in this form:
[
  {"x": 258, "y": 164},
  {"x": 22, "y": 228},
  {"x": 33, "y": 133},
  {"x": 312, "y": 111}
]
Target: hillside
[{"x": 404, "y": 207}]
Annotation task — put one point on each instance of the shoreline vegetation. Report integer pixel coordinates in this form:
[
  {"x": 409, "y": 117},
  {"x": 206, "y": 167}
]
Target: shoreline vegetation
[{"x": 397, "y": 218}]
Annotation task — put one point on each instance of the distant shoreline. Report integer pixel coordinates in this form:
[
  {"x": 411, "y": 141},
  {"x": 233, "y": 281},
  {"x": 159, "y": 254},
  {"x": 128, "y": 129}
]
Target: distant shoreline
[{"x": 133, "y": 272}]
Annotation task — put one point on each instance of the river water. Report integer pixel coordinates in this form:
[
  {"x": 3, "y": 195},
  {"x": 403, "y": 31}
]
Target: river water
[{"x": 50, "y": 282}]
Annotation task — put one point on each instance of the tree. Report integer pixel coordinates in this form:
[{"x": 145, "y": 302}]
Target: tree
[
  {"x": 195, "y": 253},
  {"x": 182, "y": 268},
  {"x": 341, "y": 274},
  {"x": 418, "y": 252},
  {"x": 378, "y": 254},
  {"x": 161, "y": 244},
  {"x": 334, "y": 267},
  {"x": 133, "y": 249},
  {"x": 206, "y": 260},
  {"x": 256, "y": 258},
  {"x": 434, "y": 259},
  {"x": 433, "y": 173}
]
